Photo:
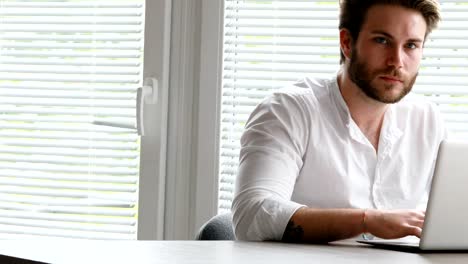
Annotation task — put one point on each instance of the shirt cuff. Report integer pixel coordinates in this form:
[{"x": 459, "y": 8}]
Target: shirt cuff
[{"x": 271, "y": 219}]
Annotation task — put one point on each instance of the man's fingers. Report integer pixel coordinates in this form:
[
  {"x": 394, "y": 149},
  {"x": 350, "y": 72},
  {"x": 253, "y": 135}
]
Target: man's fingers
[
  {"x": 419, "y": 214},
  {"x": 415, "y": 231},
  {"x": 412, "y": 231},
  {"x": 417, "y": 223}
]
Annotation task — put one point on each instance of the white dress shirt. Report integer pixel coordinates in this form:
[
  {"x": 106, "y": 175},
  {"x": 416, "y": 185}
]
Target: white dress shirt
[{"x": 302, "y": 148}]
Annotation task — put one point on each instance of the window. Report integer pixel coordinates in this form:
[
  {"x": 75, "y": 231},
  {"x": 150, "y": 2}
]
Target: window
[
  {"x": 69, "y": 151},
  {"x": 268, "y": 44}
]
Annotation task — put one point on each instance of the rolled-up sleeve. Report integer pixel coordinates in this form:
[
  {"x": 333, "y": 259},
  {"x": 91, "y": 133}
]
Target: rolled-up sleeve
[{"x": 271, "y": 157}]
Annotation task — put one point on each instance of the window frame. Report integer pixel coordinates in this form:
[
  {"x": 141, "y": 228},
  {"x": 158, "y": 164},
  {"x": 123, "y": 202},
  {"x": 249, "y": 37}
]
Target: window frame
[
  {"x": 175, "y": 204},
  {"x": 209, "y": 101},
  {"x": 151, "y": 202}
]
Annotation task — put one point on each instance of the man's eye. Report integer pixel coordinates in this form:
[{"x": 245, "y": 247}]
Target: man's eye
[
  {"x": 411, "y": 46},
  {"x": 381, "y": 40}
]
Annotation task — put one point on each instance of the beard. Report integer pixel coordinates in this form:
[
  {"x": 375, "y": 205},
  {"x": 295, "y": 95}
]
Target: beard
[{"x": 362, "y": 76}]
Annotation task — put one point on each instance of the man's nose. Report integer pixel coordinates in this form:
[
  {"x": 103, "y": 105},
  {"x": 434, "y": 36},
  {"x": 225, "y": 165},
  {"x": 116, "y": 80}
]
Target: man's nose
[{"x": 395, "y": 57}]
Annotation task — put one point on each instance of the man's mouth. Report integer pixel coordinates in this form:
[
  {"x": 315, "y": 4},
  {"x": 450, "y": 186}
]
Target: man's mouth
[{"x": 391, "y": 79}]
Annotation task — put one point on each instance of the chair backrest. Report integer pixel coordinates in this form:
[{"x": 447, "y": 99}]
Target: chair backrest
[{"x": 217, "y": 228}]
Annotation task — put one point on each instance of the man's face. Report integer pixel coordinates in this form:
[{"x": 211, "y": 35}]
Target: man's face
[{"x": 385, "y": 58}]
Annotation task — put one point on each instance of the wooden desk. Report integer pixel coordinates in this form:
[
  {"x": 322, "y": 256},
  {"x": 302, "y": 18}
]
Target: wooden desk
[{"x": 180, "y": 252}]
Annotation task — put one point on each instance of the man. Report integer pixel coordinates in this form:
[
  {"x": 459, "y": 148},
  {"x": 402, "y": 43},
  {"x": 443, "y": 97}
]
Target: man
[{"x": 325, "y": 160}]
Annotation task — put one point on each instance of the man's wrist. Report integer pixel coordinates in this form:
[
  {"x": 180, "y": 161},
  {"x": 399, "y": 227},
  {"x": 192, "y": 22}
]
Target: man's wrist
[
  {"x": 364, "y": 221},
  {"x": 365, "y": 228}
]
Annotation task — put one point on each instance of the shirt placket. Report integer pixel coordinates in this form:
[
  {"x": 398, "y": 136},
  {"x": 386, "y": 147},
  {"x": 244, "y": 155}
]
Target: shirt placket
[
  {"x": 388, "y": 139},
  {"x": 363, "y": 147}
]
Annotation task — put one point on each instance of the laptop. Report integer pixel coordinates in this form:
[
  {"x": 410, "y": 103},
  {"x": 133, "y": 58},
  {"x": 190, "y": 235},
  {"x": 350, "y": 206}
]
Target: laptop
[{"x": 446, "y": 222}]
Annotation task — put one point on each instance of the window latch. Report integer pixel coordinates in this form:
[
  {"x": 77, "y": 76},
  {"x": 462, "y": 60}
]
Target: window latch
[{"x": 147, "y": 94}]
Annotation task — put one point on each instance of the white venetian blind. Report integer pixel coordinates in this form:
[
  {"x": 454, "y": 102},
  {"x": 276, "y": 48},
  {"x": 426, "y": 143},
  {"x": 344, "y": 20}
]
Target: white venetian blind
[
  {"x": 66, "y": 68},
  {"x": 269, "y": 44}
]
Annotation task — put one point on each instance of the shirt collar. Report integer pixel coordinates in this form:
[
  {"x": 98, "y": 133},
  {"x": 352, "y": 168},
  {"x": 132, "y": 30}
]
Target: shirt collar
[
  {"x": 340, "y": 103},
  {"x": 390, "y": 131}
]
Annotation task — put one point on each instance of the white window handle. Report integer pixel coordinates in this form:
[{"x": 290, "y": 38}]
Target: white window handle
[{"x": 148, "y": 94}]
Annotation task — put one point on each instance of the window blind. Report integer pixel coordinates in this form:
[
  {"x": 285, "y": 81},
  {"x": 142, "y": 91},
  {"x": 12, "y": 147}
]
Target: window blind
[
  {"x": 269, "y": 44},
  {"x": 66, "y": 67}
]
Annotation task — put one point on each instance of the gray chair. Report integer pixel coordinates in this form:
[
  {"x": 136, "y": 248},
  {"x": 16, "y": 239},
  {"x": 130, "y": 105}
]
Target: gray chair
[{"x": 217, "y": 228}]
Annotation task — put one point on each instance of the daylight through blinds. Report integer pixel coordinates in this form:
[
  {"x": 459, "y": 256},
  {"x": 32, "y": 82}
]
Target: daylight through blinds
[{"x": 67, "y": 67}]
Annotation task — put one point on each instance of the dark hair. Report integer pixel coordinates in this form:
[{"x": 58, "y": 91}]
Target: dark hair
[{"x": 354, "y": 12}]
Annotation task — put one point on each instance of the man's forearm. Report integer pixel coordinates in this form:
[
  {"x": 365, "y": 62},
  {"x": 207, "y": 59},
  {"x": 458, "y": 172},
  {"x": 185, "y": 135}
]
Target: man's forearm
[{"x": 324, "y": 225}]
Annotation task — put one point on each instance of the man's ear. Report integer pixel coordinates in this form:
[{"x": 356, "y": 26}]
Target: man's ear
[{"x": 346, "y": 43}]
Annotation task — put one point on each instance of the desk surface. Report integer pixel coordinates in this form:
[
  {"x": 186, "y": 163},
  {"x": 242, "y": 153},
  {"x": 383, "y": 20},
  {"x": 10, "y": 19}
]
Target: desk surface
[{"x": 180, "y": 252}]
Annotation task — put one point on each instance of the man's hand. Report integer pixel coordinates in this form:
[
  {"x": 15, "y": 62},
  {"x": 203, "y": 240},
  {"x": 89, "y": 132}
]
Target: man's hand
[{"x": 390, "y": 224}]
